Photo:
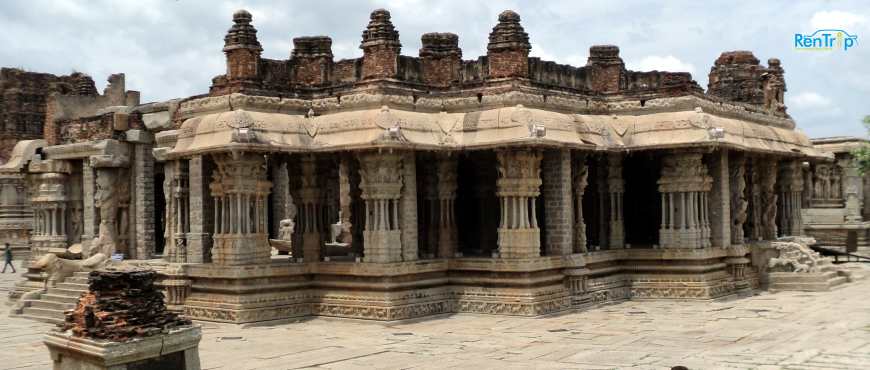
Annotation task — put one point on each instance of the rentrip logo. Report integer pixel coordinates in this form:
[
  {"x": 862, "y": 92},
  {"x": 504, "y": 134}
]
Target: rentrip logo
[{"x": 825, "y": 40}]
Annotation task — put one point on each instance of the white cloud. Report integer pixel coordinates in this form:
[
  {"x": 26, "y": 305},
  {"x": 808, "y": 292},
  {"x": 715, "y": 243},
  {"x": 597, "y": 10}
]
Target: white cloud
[
  {"x": 668, "y": 63},
  {"x": 808, "y": 99},
  {"x": 836, "y": 19}
]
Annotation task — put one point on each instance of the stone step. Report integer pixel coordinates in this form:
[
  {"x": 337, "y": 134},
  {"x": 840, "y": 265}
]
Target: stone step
[
  {"x": 837, "y": 281},
  {"x": 77, "y": 280},
  {"x": 44, "y": 313},
  {"x": 73, "y": 286},
  {"x": 52, "y": 305},
  {"x": 76, "y": 293},
  {"x": 59, "y": 298},
  {"x": 50, "y": 320}
]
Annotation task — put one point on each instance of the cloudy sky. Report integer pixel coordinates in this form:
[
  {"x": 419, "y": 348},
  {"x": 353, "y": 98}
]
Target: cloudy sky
[{"x": 172, "y": 48}]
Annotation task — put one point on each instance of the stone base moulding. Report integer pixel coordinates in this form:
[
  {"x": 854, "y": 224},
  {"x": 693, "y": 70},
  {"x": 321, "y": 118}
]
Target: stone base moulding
[{"x": 177, "y": 349}]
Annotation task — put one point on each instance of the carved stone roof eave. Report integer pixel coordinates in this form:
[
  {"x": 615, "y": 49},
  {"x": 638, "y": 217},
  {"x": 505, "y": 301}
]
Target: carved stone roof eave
[
  {"x": 21, "y": 154},
  {"x": 85, "y": 149}
]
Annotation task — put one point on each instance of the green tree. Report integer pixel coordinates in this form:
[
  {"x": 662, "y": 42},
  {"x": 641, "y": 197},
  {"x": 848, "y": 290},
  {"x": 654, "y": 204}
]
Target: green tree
[{"x": 863, "y": 153}]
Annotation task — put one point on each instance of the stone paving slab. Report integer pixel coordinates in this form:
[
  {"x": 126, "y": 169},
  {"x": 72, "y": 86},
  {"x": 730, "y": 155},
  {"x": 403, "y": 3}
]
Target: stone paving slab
[{"x": 785, "y": 330}]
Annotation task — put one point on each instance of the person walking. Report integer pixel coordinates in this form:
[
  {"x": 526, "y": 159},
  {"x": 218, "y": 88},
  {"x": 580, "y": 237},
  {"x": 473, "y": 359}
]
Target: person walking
[{"x": 8, "y": 258}]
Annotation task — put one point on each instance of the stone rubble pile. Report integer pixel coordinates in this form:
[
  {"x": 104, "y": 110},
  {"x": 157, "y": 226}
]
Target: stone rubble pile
[{"x": 121, "y": 305}]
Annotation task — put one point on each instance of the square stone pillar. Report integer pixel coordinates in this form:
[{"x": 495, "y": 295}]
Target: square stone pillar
[
  {"x": 615, "y": 189},
  {"x": 143, "y": 206},
  {"x": 200, "y": 215},
  {"x": 558, "y": 207},
  {"x": 408, "y": 209},
  {"x": 720, "y": 200},
  {"x": 89, "y": 218}
]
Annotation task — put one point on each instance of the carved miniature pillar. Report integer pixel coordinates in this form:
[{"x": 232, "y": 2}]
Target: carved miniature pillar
[
  {"x": 684, "y": 186},
  {"x": 200, "y": 214},
  {"x": 739, "y": 203},
  {"x": 767, "y": 169},
  {"x": 518, "y": 187},
  {"x": 49, "y": 198},
  {"x": 309, "y": 217},
  {"x": 381, "y": 184},
  {"x": 790, "y": 185},
  {"x": 508, "y": 49},
  {"x": 580, "y": 174},
  {"x": 448, "y": 238},
  {"x": 239, "y": 184},
  {"x": 242, "y": 51},
  {"x": 615, "y": 189},
  {"x": 558, "y": 202}
]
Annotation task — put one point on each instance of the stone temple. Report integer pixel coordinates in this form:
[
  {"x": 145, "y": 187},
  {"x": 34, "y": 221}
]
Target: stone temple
[{"x": 391, "y": 187}]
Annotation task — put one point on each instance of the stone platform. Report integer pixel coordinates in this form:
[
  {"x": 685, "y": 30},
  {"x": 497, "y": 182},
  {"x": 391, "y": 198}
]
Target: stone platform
[{"x": 785, "y": 330}]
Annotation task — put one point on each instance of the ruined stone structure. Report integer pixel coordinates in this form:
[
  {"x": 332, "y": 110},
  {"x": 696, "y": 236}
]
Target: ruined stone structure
[
  {"x": 834, "y": 194},
  {"x": 396, "y": 187}
]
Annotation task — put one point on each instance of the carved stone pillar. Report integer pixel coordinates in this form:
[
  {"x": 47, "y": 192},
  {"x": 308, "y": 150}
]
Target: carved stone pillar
[
  {"x": 381, "y": 184},
  {"x": 615, "y": 190},
  {"x": 448, "y": 238},
  {"x": 175, "y": 187},
  {"x": 240, "y": 189},
  {"x": 408, "y": 208},
  {"x": 580, "y": 174},
  {"x": 309, "y": 219},
  {"x": 49, "y": 202},
  {"x": 89, "y": 208},
  {"x": 345, "y": 199},
  {"x": 557, "y": 202},
  {"x": 739, "y": 203},
  {"x": 718, "y": 212},
  {"x": 200, "y": 215},
  {"x": 519, "y": 185},
  {"x": 767, "y": 171},
  {"x": 790, "y": 186},
  {"x": 684, "y": 187}
]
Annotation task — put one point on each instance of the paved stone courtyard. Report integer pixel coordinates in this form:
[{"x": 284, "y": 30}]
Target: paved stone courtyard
[{"x": 787, "y": 330}]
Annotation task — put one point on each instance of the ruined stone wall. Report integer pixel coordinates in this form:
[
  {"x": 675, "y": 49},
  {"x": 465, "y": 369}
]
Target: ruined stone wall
[{"x": 23, "y": 98}]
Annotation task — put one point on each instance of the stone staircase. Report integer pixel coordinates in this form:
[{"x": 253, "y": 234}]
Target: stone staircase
[
  {"x": 826, "y": 278},
  {"x": 50, "y": 306}
]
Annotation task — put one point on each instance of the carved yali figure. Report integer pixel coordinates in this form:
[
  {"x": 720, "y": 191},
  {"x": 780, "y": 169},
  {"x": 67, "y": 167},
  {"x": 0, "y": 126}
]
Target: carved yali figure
[
  {"x": 794, "y": 256},
  {"x": 59, "y": 269}
]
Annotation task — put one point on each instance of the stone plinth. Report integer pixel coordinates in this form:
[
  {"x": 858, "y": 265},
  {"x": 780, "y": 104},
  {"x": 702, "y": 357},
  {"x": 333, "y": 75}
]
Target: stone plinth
[{"x": 176, "y": 349}]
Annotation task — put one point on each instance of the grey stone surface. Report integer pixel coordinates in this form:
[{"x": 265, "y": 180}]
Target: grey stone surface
[{"x": 786, "y": 330}]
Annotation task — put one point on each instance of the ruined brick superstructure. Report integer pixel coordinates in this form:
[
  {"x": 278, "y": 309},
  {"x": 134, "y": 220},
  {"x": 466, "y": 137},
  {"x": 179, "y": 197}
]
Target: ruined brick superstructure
[{"x": 391, "y": 186}]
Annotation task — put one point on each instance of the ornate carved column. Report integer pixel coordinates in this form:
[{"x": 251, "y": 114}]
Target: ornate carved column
[
  {"x": 519, "y": 186},
  {"x": 684, "y": 187},
  {"x": 448, "y": 238},
  {"x": 381, "y": 184},
  {"x": 615, "y": 189},
  {"x": 175, "y": 190},
  {"x": 200, "y": 215},
  {"x": 767, "y": 170},
  {"x": 580, "y": 179},
  {"x": 739, "y": 203},
  {"x": 790, "y": 186},
  {"x": 111, "y": 196},
  {"x": 49, "y": 197},
  {"x": 241, "y": 190},
  {"x": 309, "y": 218}
]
